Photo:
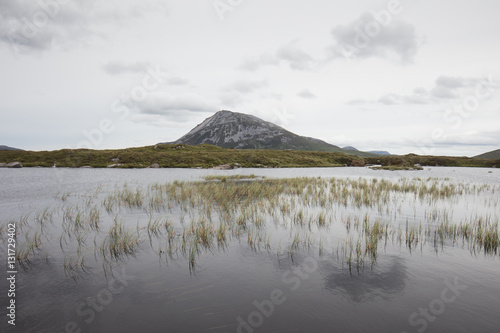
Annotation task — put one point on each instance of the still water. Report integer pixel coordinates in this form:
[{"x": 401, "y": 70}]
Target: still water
[{"x": 242, "y": 284}]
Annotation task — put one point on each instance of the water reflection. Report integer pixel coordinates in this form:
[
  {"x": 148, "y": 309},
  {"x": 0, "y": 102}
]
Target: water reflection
[
  {"x": 227, "y": 273},
  {"x": 384, "y": 279}
]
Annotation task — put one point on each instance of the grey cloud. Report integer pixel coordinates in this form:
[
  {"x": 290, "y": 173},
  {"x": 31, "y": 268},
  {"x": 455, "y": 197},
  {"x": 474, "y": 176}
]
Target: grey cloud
[
  {"x": 235, "y": 94},
  {"x": 272, "y": 95},
  {"x": 161, "y": 103},
  {"x": 141, "y": 9},
  {"x": 390, "y": 99},
  {"x": 451, "y": 82},
  {"x": 449, "y": 87},
  {"x": 441, "y": 92},
  {"x": 290, "y": 53},
  {"x": 245, "y": 87},
  {"x": 419, "y": 96},
  {"x": 446, "y": 88},
  {"x": 295, "y": 56},
  {"x": 397, "y": 39},
  {"x": 28, "y": 26},
  {"x": 478, "y": 138},
  {"x": 231, "y": 99},
  {"x": 256, "y": 63},
  {"x": 357, "y": 101},
  {"x": 487, "y": 139},
  {"x": 117, "y": 67},
  {"x": 306, "y": 93},
  {"x": 177, "y": 81},
  {"x": 173, "y": 119}
]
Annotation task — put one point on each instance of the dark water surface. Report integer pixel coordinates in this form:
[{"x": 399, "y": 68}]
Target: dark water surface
[{"x": 241, "y": 288}]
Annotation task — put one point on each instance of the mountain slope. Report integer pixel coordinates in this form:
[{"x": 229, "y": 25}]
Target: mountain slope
[
  {"x": 242, "y": 131},
  {"x": 495, "y": 154},
  {"x": 375, "y": 152},
  {"x": 380, "y": 152},
  {"x": 8, "y": 148}
]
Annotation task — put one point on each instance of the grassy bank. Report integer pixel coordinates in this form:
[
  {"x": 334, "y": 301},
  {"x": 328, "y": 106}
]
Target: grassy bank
[
  {"x": 411, "y": 159},
  {"x": 208, "y": 156},
  {"x": 176, "y": 156}
]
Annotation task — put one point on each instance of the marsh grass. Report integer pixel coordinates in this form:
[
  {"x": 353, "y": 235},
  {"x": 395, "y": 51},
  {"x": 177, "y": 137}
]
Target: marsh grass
[
  {"x": 185, "y": 219},
  {"x": 120, "y": 241},
  {"x": 30, "y": 247},
  {"x": 232, "y": 177},
  {"x": 43, "y": 217},
  {"x": 23, "y": 220},
  {"x": 74, "y": 266}
]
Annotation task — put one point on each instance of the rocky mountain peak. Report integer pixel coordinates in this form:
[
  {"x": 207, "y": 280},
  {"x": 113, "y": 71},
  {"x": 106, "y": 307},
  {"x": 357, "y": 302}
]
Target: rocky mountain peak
[{"x": 230, "y": 129}]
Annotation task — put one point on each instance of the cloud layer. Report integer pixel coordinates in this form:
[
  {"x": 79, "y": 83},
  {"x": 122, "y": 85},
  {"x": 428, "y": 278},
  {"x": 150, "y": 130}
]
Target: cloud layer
[
  {"x": 28, "y": 26},
  {"x": 290, "y": 54},
  {"x": 73, "y": 61},
  {"x": 163, "y": 103},
  {"x": 366, "y": 37},
  {"x": 445, "y": 90},
  {"x": 118, "y": 67}
]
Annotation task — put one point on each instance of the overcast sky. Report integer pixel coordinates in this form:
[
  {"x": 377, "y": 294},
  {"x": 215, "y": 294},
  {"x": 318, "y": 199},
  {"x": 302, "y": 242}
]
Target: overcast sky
[{"x": 403, "y": 76}]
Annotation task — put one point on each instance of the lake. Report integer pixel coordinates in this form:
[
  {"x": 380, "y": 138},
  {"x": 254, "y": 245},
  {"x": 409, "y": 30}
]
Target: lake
[{"x": 252, "y": 250}]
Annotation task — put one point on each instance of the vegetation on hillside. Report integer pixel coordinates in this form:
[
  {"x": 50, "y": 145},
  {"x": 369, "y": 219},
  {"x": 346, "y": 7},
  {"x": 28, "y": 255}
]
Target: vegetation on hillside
[
  {"x": 495, "y": 154},
  {"x": 411, "y": 159},
  {"x": 208, "y": 156},
  {"x": 176, "y": 156}
]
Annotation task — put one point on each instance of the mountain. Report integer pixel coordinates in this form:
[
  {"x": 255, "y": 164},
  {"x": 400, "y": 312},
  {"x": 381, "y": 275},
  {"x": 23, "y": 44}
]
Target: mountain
[
  {"x": 242, "y": 131},
  {"x": 376, "y": 152},
  {"x": 380, "y": 152},
  {"x": 495, "y": 154},
  {"x": 8, "y": 148}
]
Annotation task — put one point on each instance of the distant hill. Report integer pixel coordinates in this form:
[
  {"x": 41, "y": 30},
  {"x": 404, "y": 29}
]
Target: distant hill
[
  {"x": 380, "y": 152},
  {"x": 495, "y": 154},
  {"x": 208, "y": 156},
  {"x": 8, "y": 148},
  {"x": 376, "y": 152},
  {"x": 229, "y": 129}
]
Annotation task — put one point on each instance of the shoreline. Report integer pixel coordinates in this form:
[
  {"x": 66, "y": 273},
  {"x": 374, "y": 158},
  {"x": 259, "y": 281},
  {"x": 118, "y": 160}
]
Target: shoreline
[{"x": 209, "y": 157}]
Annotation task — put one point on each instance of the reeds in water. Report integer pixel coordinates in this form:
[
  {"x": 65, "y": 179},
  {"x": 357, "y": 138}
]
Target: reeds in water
[{"x": 204, "y": 215}]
